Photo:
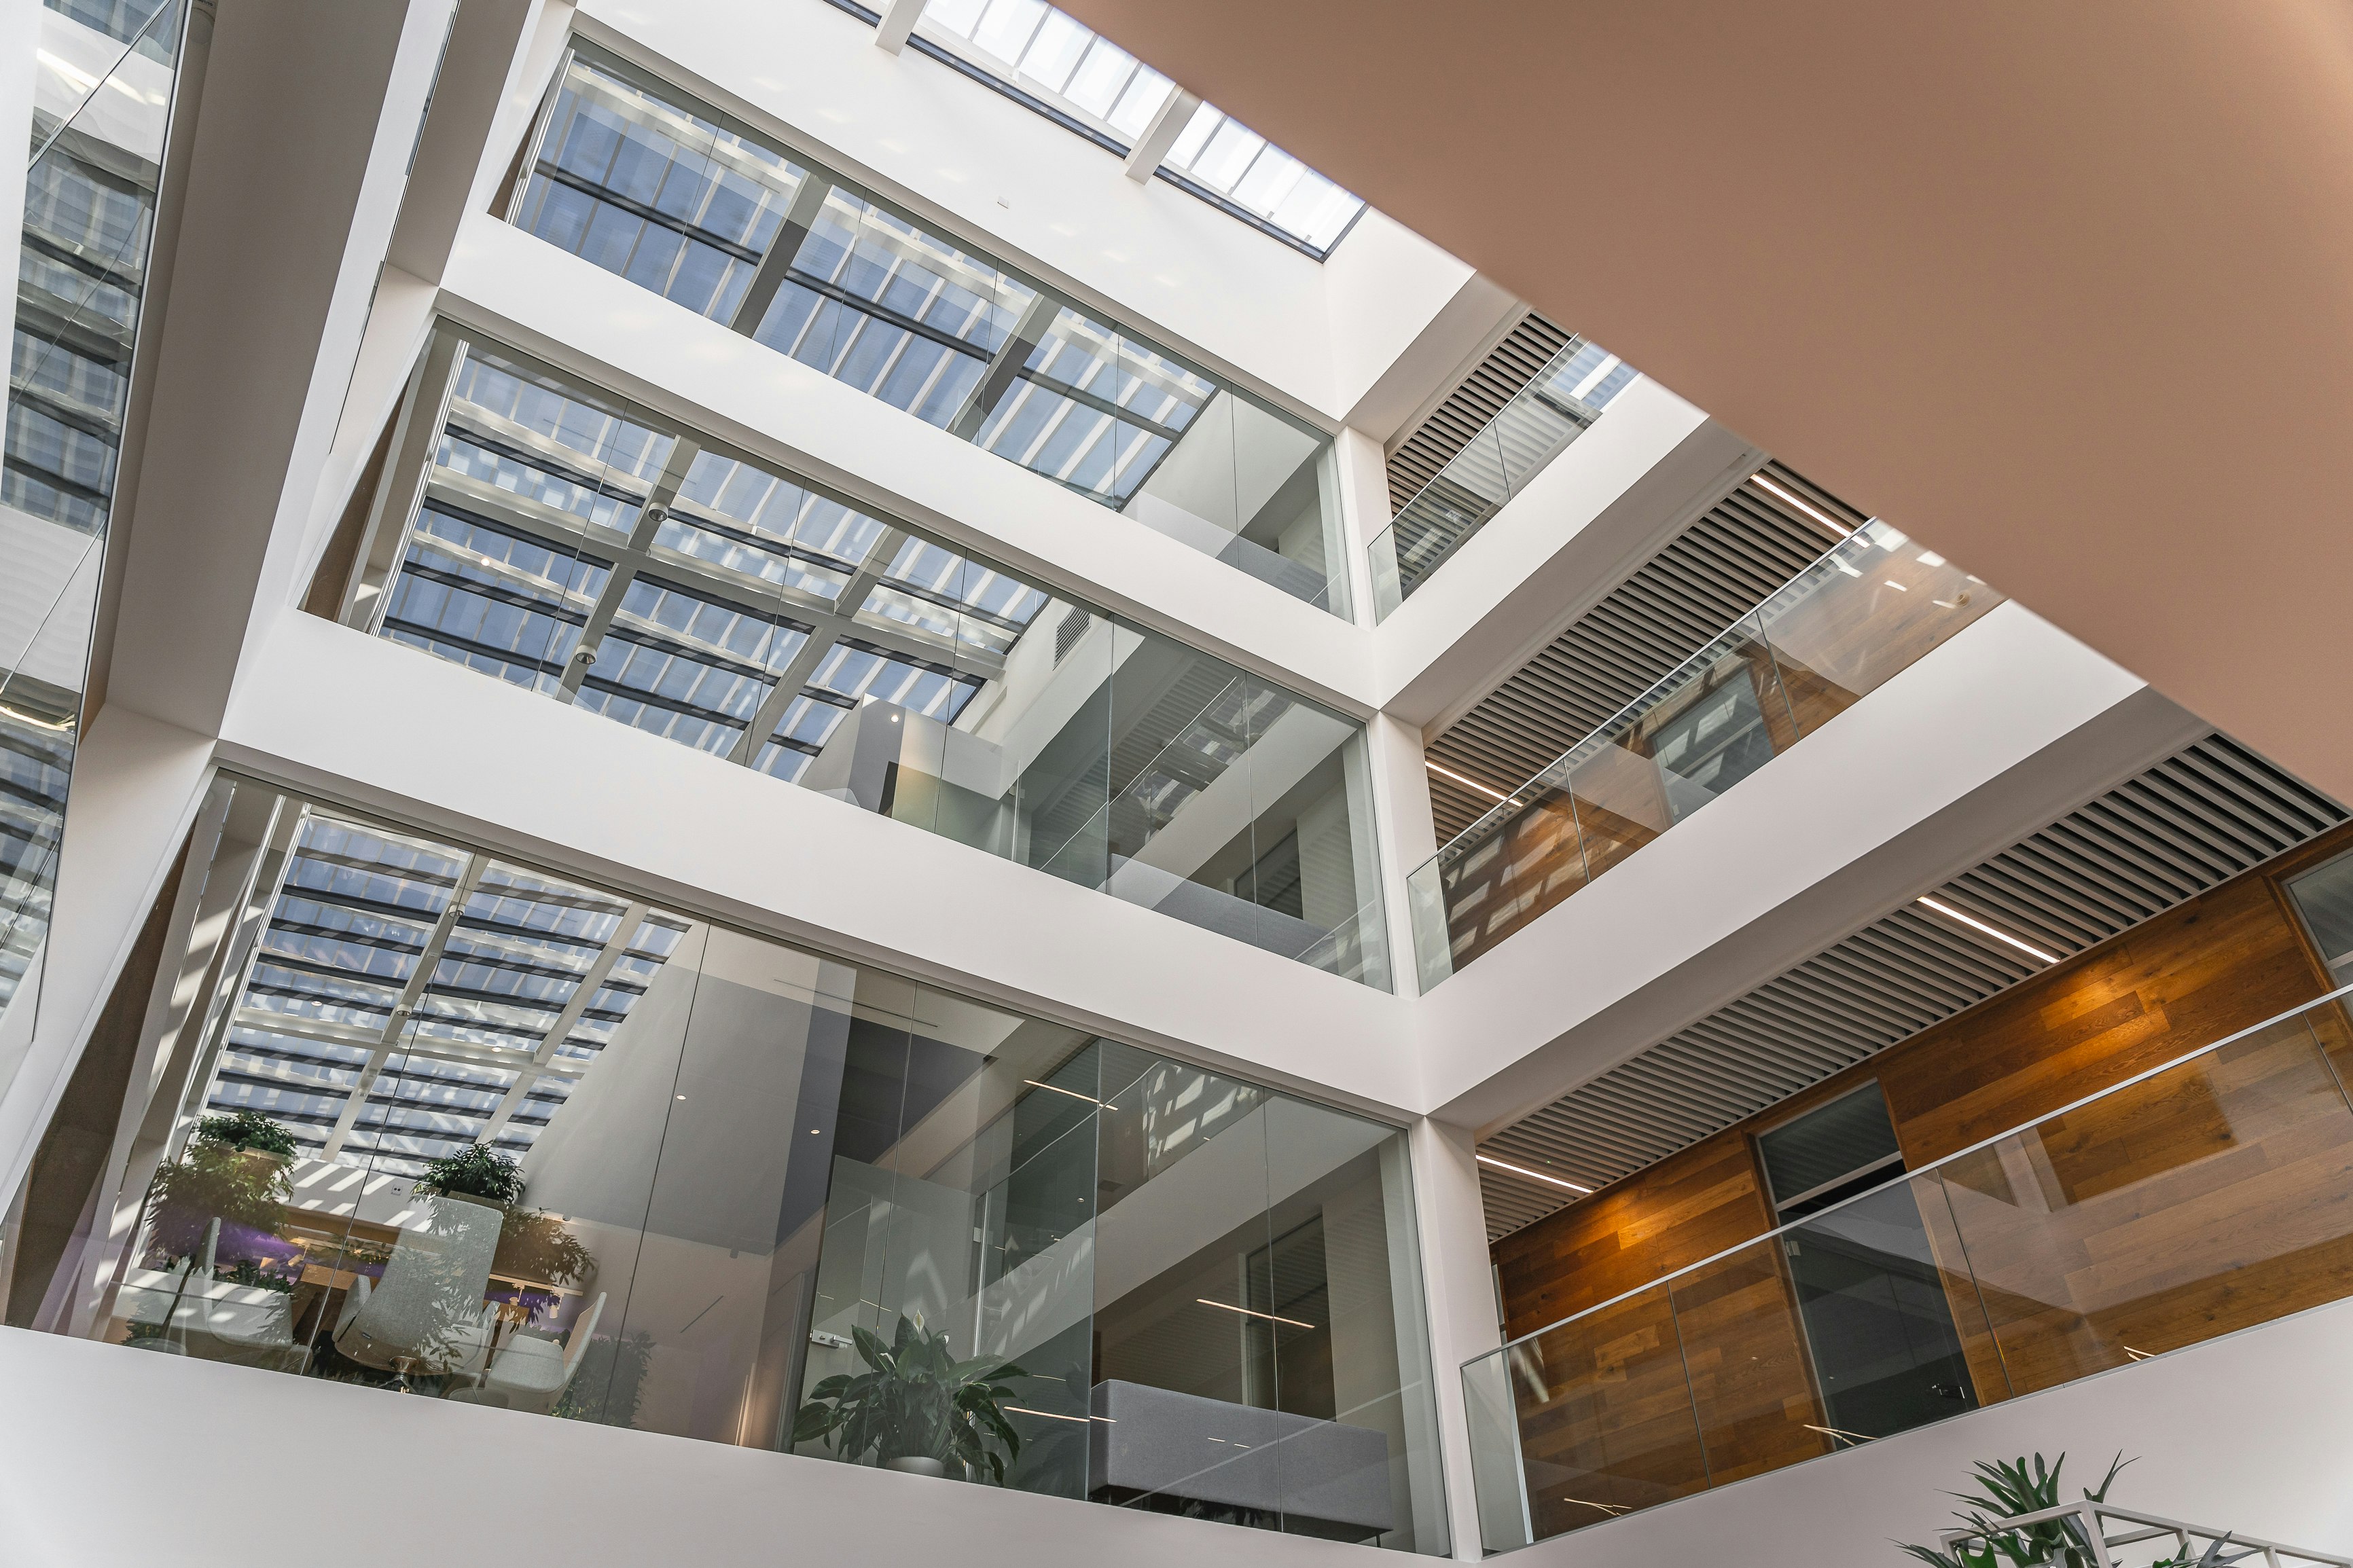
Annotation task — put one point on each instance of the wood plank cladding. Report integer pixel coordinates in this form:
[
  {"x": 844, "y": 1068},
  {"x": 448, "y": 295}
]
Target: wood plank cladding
[{"x": 2206, "y": 1198}]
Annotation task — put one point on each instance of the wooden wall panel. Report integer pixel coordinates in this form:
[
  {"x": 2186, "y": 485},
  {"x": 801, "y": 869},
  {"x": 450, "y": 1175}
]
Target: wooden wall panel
[{"x": 2206, "y": 1199}]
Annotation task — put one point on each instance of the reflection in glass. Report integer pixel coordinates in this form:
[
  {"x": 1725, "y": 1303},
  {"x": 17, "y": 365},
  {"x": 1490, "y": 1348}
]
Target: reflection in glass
[
  {"x": 1558, "y": 403},
  {"x": 102, "y": 78},
  {"x": 451, "y": 1125},
  {"x": 560, "y": 539},
  {"x": 2196, "y": 1199},
  {"x": 625, "y": 172},
  {"x": 1871, "y": 608}
]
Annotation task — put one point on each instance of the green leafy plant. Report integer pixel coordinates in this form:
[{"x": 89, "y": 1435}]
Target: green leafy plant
[
  {"x": 534, "y": 1245},
  {"x": 2007, "y": 1488},
  {"x": 612, "y": 1380},
  {"x": 233, "y": 1170},
  {"x": 248, "y": 1272},
  {"x": 914, "y": 1401},
  {"x": 477, "y": 1171},
  {"x": 248, "y": 1131}
]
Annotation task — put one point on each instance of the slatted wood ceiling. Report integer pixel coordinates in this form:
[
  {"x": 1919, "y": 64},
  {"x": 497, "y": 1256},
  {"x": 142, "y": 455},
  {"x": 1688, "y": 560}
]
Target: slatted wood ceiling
[
  {"x": 1723, "y": 567},
  {"x": 2190, "y": 823},
  {"x": 1471, "y": 407}
]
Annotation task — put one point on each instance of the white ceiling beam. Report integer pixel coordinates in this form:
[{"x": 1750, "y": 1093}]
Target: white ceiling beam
[{"x": 1160, "y": 135}]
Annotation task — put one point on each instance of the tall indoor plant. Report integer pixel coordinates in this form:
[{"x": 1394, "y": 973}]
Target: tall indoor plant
[{"x": 915, "y": 1407}]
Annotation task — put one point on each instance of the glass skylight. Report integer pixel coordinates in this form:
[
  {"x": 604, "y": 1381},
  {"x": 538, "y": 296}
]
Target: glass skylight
[
  {"x": 1053, "y": 54},
  {"x": 1049, "y": 56},
  {"x": 1220, "y": 154}
]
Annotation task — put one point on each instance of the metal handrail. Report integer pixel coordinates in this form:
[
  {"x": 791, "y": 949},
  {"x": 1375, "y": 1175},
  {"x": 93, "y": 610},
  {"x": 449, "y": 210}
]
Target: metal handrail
[
  {"x": 1529, "y": 390},
  {"x": 2087, "y": 1515},
  {"x": 2340, "y": 994},
  {"x": 1495, "y": 813}
]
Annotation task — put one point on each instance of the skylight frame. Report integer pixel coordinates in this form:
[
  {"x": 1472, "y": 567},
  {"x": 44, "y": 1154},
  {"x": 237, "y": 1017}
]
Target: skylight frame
[{"x": 1075, "y": 120}]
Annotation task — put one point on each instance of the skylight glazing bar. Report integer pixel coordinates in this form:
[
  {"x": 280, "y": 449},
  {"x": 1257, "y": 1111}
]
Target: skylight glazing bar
[
  {"x": 628, "y": 175},
  {"x": 567, "y": 542}
]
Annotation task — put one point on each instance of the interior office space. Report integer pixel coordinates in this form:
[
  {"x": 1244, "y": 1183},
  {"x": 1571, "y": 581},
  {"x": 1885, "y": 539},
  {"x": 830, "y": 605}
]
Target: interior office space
[{"x": 946, "y": 779}]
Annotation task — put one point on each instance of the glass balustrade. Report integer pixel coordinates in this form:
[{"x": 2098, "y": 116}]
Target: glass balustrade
[
  {"x": 1555, "y": 407},
  {"x": 539, "y": 530},
  {"x": 2204, "y": 1196},
  {"x": 634, "y": 176},
  {"x": 433, "y": 1120},
  {"x": 1867, "y": 610}
]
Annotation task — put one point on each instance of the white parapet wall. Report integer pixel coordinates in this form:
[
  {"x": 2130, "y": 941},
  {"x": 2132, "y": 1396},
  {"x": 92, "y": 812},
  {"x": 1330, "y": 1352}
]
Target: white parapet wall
[{"x": 110, "y": 1458}]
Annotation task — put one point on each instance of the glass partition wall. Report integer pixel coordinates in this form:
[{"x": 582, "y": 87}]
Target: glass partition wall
[
  {"x": 102, "y": 78},
  {"x": 445, "y": 1123},
  {"x": 628, "y": 173},
  {"x": 535, "y": 529}
]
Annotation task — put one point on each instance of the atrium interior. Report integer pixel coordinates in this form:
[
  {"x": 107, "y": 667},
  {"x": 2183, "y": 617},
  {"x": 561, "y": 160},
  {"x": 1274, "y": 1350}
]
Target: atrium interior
[{"x": 954, "y": 780}]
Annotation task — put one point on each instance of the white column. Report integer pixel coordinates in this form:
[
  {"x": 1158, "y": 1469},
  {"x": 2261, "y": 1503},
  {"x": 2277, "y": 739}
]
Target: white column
[
  {"x": 1402, "y": 822},
  {"x": 1363, "y": 470},
  {"x": 1462, "y": 1294}
]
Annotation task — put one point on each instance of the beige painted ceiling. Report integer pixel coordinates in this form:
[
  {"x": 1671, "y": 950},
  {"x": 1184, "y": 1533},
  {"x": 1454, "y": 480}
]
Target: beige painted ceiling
[{"x": 2064, "y": 288}]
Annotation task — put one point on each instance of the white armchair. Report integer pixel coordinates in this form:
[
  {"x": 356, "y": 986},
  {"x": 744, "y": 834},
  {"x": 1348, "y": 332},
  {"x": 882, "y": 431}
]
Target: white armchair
[
  {"x": 426, "y": 1314},
  {"x": 529, "y": 1372}
]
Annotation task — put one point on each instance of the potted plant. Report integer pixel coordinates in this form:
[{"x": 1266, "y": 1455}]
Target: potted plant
[
  {"x": 534, "y": 1245},
  {"x": 477, "y": 1171},
  {"x": 916, "y": 1407},
  {"x": 2009, "y": 1488},
  {"x": 234, "y": 1171}
]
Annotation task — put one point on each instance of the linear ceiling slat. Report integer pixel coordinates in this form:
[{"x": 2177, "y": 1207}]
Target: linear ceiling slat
[{"x": 2153, "y": 841}]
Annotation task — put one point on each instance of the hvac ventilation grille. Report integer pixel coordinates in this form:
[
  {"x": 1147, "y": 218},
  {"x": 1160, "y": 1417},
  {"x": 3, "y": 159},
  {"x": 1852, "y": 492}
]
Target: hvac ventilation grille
[
  {"x": 1472, "y": 406},
  {"x": 1715, "y": 572},
  {"x": 2192, "y": 822}
]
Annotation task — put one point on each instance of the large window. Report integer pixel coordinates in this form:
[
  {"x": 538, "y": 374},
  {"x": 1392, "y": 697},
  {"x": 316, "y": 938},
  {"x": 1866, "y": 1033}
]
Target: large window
[
  {"x": 102, "y": 79},
  {"x": 625, "y": 172},
  {"x": 536, "y": 528},
  {"x": 445, "y": 1122}
]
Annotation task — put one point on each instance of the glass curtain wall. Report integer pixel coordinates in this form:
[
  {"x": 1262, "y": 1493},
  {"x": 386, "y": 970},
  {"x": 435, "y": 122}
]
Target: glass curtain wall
[
  {"x": 444, "y": 1122},
  {"x": 543, "y": 532},
  {"x": 102, "y": 85},
  {"x": 627, "y": 172}
]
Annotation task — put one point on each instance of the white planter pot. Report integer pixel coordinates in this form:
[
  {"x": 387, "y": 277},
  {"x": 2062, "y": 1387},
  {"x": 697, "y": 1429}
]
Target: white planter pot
[{"x": 916, "y": 1467}]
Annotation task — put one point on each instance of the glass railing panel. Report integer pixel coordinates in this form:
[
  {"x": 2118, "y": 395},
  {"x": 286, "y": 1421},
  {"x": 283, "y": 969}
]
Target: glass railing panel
[
  {"x": 1871, "y": 608},
  {"x": 1553, "y": 409},
  {"x": 2210, "y": 1197},
  {"x": 2204, "y": 1196},
  {"x": 1866, "y": 610},
  {"x": 630, "y": 175},
  {"x": 581, "y": 546},
  {"x": 1606, "y": 1422},
  {"x": 1498, "y": 1478}
]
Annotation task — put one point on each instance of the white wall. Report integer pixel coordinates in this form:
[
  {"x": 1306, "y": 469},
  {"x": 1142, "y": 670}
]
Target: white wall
[
  {"x": 438, "y": 743},
  {"x": 115, "y": 1458},
  {"x": 2252, "y": 1432}
]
